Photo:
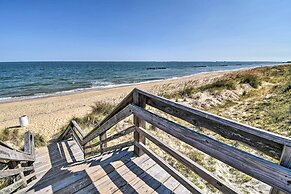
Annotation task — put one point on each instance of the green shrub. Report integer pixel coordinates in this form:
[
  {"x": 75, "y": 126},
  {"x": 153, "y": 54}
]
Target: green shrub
[
  {"x": 287, "y": 88},
  {"x": 39, "y": 140},
  {"x": 253, "y": 80},
  {"x": 186, "y": 91},
  {"x": 12, "y": 135},
  {"x": 102, "y": 108},
  {"x": 219, "y": 85}
]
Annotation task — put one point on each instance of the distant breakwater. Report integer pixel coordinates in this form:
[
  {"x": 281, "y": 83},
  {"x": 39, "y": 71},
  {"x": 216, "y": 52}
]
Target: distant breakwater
[{"x": 34, "y": 79}]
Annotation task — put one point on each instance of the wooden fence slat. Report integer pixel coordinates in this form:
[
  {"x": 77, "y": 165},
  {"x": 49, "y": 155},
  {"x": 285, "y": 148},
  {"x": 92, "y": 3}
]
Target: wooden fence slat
[
  {"x": 286, "y": 162},
  {"x": 66, "y": 131},
  {"x": 111, "y": 148},
  {"x": 115, "y": 136},
  {"x": 8, "y": 154},
  {"x": 263, "y": 170},
  {"x": 267, "y": 142},
  {"x": 11, "y": 188},
  {"x": 9, "y": 172},
  {"x": 77, "y": 126},
  {"x": 172, "y": 171},
  {"x": 107, "y": 125},
  {"x": 199, "y": 170},
  {"x": 77, "y": 139},
  {"x": 126, "y": 101}
]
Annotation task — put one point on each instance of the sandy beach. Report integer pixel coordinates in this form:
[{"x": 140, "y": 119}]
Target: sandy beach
[{"x": 47, "y": 115}]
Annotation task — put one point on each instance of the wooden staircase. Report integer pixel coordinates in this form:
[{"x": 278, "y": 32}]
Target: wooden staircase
[
  {"x": 83, "y": 163},
  {"x": 60, "y": 168}
]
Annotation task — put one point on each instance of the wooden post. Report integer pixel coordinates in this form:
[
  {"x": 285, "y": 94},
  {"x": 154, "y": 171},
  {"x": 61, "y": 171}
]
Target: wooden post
[
  {"x": 103, "y": 136},
  {"x": 21, "y": 175},
  {"x": 286, "y": 162},
  {"x": 138, "y": 100},
  {"x": 29, "y": 143}
]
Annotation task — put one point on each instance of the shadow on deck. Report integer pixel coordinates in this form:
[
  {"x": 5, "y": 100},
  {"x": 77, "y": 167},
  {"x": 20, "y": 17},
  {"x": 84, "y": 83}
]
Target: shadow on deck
[{"x": 60, "y": 168}]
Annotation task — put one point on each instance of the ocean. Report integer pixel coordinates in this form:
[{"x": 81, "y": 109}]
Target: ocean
[{"x": 19, "y": 80}]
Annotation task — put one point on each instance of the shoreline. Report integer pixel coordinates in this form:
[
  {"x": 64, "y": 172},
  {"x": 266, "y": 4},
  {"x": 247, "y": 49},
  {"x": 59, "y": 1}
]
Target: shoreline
[
  {"x": 48, "y": 114},
  {"x": 81, "y": 90}
]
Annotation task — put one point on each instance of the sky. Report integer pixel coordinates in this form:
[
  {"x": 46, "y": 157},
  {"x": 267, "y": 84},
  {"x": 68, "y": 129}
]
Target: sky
[{"x": 149, "y": 30}]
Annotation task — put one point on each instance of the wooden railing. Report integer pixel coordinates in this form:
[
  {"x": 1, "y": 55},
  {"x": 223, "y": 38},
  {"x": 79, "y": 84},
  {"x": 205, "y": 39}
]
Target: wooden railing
[
  {"x": 276, "y": 175},
  {"x": 17, "y": 165}
]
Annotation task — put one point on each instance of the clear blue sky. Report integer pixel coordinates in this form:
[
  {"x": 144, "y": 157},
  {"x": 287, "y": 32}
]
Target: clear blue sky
[{"x": 145, "y": 30}]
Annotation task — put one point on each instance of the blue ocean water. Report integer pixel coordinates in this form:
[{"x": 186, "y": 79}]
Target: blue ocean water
[{"x": 34, "y": 79}]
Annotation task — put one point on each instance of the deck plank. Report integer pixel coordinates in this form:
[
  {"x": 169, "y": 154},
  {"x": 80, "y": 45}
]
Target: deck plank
[{"x": 61, "y": 168}]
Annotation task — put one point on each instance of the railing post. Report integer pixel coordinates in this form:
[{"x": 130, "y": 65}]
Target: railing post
[
  {"x": 30, "y": 149},
  {"x": 138, "y": 100},
  {"x": 103, "y": 136},
  {"x": 21, "y": 175},
  {"x": 286, "y": 162}
]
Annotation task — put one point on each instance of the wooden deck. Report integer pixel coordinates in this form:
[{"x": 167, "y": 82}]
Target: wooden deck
[{"x": 60, "y": 168}]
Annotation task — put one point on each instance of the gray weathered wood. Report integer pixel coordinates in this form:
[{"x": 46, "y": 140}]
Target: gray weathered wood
[
  {"x": 9, "y": 172},
  {"x": 11, "y": 188},
  {"x": 8, "y": 154},
  {"x": 140, "y": 101},
  {"x": 267, "y": 142},
  {"x": 199, "y": 170},
  {"x": 81, "y": 132},
  {"x": 103, "y": 136},
  {"x": 263, "y": 170},
  {"x": 111, "y": 148},
  {"x": 29, "y": 143},
  {"x": 65, "y": 132},
  {"x": 107, "y": 125},
  {"x": 126, "y": 101},
  {"x": 286, "y": 162},
  {"x": 77, "y": 139},
  {"x": 173, "y": 172},
  {"x": 21, "y": 175},
  {"x": 115, "y": 136}
]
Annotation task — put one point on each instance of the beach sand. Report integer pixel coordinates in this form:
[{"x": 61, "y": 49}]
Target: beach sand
[{"x": 47, "y": 115}]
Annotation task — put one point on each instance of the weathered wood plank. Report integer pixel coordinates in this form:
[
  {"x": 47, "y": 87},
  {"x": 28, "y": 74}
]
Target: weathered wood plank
[
  {"x": 65, "y": 132},
  {"x": 286, "y": 162},
  {"x": 263, "y": 170},
  {"x": 103, "y": 136},
  {"x": 11, "y": 188},
  {"x": 188, "y": 184},
  {"x": 107, "y": 125},
  {"x": 120, "y": 177},
  {"x": 111, "y": 148},
  {"x": 6, "y": 145},
  {"x": 9, "y": 172},
  {"x": 267, "y": 142},
  {"x": 198, "y": 169},
  {"x": 76, "y": 125},
  {"x": 115, "y": 136},
  {"x": 140, "y": 101},
  {"x": 77, "y": 139},
  {"x": 29, "y": 143},
  {"x": 126, "y": 101},
  {"x": 154, "y": 179},
  {"x": 8, "y": 154}
]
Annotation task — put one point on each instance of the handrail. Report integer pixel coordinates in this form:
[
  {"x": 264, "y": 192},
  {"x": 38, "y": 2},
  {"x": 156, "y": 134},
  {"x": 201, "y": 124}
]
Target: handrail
[
  {"x": 20, "y": 163},
  {"x": 269, "y": 143},
  {"x": 276, "y": 146}
]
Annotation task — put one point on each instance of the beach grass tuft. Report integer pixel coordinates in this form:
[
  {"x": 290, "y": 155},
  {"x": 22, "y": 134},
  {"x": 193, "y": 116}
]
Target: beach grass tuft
[
  {"x": 218, "y": 85},
  {"x": 252, "y": 80}
]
